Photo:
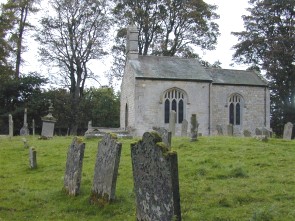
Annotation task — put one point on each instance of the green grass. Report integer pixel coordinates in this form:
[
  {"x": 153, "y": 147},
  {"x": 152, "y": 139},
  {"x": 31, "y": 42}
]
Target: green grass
[{"x": 221, "y": 178}]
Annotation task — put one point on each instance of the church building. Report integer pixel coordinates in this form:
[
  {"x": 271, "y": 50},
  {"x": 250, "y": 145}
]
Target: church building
[{"x": 153, "y": 86}]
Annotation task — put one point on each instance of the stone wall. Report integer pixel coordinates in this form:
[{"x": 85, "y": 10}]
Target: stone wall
[{"x": 255, "y": 110}]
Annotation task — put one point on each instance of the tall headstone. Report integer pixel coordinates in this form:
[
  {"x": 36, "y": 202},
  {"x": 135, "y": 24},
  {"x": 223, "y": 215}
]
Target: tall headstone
[
  {"x": 73, "y": 172},
  {"x": 10, "y": 122},
  {"x": 155, "y": 175},
  {"x": 24, "y": 131},
  {"x": 288, "y": 129},
  {"x": 230, "y": 130},
  {"x": 219, "y": 129},
  {"x": 48, "y": 123},
  {"x": 184, "y": 127},
  {"x": 33, "y": 127},
  {"x": 165, "y": 135},
  {"x": 33, "y": 158},
  {"x": 106, "y": 170},
  {"x": 172, "y": 121},
  {"x": 194, "y": 127}
]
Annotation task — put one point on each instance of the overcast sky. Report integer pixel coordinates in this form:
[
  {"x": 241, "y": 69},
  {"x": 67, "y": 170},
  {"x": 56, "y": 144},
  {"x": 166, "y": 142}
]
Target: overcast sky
[{"x": 230, "y": 12}]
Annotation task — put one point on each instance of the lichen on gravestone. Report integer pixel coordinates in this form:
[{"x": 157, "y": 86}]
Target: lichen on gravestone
[
  {"x": 155, "y": 175},
  {"x": 106, "y": 170}
]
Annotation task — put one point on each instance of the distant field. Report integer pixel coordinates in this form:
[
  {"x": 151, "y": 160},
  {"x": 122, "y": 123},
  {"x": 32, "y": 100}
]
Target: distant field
[{"x": 221, "y": 179}]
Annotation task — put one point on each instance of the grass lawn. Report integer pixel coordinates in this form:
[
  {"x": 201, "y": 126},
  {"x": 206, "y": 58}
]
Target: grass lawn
[{"x": 221, "y": 179}]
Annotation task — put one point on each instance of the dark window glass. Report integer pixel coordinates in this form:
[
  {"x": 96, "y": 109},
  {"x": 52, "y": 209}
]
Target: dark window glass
[
  {"x": 167, "y": 110},
  {"x": 174, "y": 105},
  {"x": 238, "y": 114},
  {"x": 231, "y": 113},
  {"x": 180, "y": 111}
]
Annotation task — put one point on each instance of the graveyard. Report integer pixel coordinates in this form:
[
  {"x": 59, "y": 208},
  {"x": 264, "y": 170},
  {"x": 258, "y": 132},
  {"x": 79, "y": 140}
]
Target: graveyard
[{"x": 220, "y": 178}]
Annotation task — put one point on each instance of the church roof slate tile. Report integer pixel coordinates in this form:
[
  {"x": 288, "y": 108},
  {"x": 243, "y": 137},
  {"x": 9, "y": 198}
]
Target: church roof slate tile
[{"x": 174, "y": 68}]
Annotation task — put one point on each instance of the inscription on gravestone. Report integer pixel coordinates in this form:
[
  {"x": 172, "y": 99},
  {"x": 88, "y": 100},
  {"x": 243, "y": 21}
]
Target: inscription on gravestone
[
  {"x": 106, "y": 170},
  {"x": 73, "y": 173},
  {"x": 288, "y": 129},
  {"x": 156, "y": 184}
]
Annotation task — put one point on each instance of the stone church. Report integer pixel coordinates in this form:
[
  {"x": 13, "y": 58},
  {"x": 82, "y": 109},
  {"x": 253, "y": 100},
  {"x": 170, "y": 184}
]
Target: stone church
[{"x": 152, "y": 86}]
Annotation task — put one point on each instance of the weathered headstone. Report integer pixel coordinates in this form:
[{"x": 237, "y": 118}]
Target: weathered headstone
[
  {"x": 263, "y": 138},
  {"x": 10, "y": 122},
  {"x": 33, "y": 158},
  {"x": 73, "y": 172},
  {"x": 25, "y": 141},
  {"x": 165, "y": 135},
  {"x": 219, "y": 129},
  {"x": 172, "y": 121},
  {"x": 156, "y": 184},
  {"x": 33, "y": 127},
  {"x": 194, "y": 127},
  {"x": 247, "y": 133},
  {"x": 184, "y": 127},
  {"x": 230, "y": 130},
  {"x": 48, "y": 123},
  {"x": 288, "y": 129},
  {"x": 106, "y": 170},
  {"x": 258, "y": 131},
  {"x": 24, "y": 131}
]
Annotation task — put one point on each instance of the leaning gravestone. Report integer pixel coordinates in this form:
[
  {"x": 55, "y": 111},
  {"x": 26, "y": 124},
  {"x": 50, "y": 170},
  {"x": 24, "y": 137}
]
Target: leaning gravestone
[
  {"x": 184, "y": 127},
  {"x": 172, "y": 121},
  {"x": 155, "y": 175},
  {"x": 247, "y": 133},
  {"x": 106, "y": 170},
  {"x": 194, "y": 127},
  {"x": 48, "y": 123},
  {"x": 72, "y": 179},
  {"x": 33, "y": 158},
  {"x": 288, "y": 129},
  {"x": 165, "y": 135},
  {"x": 258, "y": 131}
]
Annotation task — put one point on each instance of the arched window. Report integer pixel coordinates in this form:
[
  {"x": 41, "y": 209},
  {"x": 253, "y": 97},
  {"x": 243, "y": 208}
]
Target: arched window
[
  {"x": 174, "y": 100},
  {"x": 235, "y": 114}
]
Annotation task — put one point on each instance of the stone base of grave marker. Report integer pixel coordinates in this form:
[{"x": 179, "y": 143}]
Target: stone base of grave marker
[
  {"x": 33, "y": 158},
  {"x": 106, "y": 170},
  {"x": 73, "y": 173},
  {"x": 156, "y": 184}
]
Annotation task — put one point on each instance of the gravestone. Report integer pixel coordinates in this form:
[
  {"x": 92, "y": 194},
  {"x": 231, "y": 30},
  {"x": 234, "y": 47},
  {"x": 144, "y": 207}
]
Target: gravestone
[
  {"x": 33, "y": 127},
  {"x": 172, "y": 121},
  {"x": 24, "y": 131},
  {"x": 106, "y": 170},
  {"x": 219, "y": 129},
  {"x": 25, "y": 141},
  {"x": 33, "y": 158},
  {"x": 48, "y": 123},
  {"x": 194, "y": 127},
  {"x": 165, "y": 135},
  {"x": 155, "y": 175},
  {"x": 288, "y": 129},
  {"x": 184, "y": 127},
  {"x": 10, "y": 122},
  {"x": 73, "y": 172},
  {"x": 230, "y": 130},
  {"x": 247, "y": 133},
  {"x": 258, "y": 131}
]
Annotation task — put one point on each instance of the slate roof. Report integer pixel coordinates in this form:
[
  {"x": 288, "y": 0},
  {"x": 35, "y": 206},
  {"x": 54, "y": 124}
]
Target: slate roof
[{"x": 184, "y": 69}]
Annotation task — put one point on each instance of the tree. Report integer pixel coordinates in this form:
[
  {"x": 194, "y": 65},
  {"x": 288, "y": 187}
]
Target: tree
[
  {"x": 268, "y": 43},
  {"x": 167, "y": 27},
  {"x": 18, "y": 11},
  {"x": 69, "y": 39}
]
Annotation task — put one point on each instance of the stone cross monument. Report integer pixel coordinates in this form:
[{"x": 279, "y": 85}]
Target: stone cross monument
[
  {"x": 48, "y": 123},
  {"x": 25, "y": 130}
]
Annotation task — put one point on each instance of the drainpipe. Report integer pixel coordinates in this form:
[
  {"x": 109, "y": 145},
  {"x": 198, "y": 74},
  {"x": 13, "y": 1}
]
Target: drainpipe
[
  {"x": 265, "y": 106},
  {"x": 209, "y": 118}
]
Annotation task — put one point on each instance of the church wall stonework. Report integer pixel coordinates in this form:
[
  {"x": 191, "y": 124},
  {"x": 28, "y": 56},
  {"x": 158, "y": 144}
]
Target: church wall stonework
[
  {"x": 255, "y": 109},
  {"x": 149, "y": 104}
]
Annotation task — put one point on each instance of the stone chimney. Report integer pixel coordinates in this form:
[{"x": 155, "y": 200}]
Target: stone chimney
[{"x": 132, "y": 43}]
